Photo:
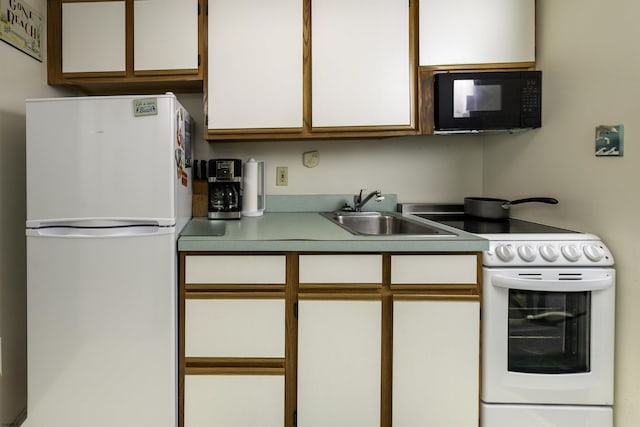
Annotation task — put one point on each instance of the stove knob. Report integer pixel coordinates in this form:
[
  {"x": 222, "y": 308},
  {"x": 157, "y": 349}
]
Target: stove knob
[
  {"x": 505, "y": 252},
  {"x": 527, "y": 253},
  {"x": 549, "y": 253},
  {"x": 571, "y": 253},
  {"x": 594, "y": 252}
]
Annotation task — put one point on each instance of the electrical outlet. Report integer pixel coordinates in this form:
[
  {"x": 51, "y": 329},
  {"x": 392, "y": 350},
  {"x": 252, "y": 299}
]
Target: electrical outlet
[{"x": 282, "y": 176}]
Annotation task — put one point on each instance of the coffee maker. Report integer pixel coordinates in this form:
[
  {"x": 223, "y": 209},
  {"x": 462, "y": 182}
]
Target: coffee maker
[{"x": 225, "y": 192}]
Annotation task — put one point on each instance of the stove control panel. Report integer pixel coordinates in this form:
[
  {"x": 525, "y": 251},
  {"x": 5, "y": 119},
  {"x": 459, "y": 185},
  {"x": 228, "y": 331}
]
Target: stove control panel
[{"x": 547, "y": 253}]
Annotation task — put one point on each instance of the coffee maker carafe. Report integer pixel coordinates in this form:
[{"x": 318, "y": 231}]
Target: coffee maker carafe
[{"x": 225, "y": 197}]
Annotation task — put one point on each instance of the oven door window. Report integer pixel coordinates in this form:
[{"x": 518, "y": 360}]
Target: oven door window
[{"x": 549, "y": 332}]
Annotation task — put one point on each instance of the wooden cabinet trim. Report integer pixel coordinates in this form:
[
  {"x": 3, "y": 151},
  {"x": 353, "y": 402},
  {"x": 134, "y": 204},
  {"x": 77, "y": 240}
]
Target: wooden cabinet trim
[
  {"x": 426, "y": 96},
  {"x": 338, "y": 287},
  {"x": 239, "y": 370},
  {"x": 293, "y": 292},
  {"x": 119, "y": 82},
  {"x": 235, "y": 362},
  {"x": 339, "y": 295},
  {"x": 307, "y": 131},
  {"x": 238, "y": 294}
]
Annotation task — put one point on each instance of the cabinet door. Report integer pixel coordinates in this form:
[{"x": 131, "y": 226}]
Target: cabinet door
[
  {"x": 360, "y": 63},
  {"x": 233, "y": 400},
  {"x": 254, "y": 77},
  {"x": 339, "y": 345},
  {"x": 436, "y": 350},
  {"x": 476, "y": 32},
  {"x": 234, "y": 328},
  {"x": 93, "y": 37},
  {"x": 165, "y": 34}
]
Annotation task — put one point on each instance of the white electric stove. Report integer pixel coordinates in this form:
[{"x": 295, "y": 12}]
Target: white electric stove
[{"x": 548, "y": 304}]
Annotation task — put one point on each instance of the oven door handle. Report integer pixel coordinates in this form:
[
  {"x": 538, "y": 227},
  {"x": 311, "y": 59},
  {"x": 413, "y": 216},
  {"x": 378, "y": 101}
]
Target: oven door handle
[{"x": 507, "y": 282}]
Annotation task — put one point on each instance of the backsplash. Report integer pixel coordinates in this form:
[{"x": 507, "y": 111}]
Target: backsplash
[{"x": 416, "y": 168}]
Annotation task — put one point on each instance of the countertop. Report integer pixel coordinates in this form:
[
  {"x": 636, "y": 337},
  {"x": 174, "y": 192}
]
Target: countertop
[{"x": 309, "y": 231}]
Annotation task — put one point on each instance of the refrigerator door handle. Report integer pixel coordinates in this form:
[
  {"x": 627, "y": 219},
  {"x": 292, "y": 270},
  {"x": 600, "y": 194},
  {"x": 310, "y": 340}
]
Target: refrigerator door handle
[
  {"x": 100, "y": 222},
  {"x": 99, "y": 232}
]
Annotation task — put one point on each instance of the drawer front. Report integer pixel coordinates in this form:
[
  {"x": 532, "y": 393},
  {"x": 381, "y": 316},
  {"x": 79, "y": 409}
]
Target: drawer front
[
  {"x": 233, "y": 400},
  {"x": 341, "y": 268},
  {"x": 234, "y": 327},
  {"x": 235, "y": 269},
  {"x": 434, "y": 269}
]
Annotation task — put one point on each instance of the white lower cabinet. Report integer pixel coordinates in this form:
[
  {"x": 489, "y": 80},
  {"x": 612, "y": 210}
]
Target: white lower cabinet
[
  {"x": 234, "y": 400},
  {"x": 339, "y": 347},
  {"x": 433, "y": 269},
  {"x": 436, "y": 353},
  {"x": 234, "y": 328},
  {"x": 382, "y": 339}
]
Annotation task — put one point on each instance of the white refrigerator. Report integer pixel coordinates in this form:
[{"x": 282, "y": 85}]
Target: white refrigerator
[{"x": 108, "y": 191}]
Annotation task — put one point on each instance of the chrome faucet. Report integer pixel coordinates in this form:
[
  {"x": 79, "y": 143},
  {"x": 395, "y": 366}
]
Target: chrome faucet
[{"x": 359, "y": 202}]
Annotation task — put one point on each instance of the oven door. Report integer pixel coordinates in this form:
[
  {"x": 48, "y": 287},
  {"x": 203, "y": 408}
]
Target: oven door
[{"x": 548, "y": 336}]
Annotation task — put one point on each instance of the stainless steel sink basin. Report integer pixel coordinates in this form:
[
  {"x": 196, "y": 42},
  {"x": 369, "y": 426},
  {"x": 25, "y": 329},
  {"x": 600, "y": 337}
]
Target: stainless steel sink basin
[{"x": 382, "y": 224}]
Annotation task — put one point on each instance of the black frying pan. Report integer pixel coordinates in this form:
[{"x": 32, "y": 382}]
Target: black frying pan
[{"x": 489, "y": 208}]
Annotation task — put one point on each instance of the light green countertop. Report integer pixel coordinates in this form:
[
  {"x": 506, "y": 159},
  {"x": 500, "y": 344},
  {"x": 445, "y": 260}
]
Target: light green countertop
[{"x": 309, "y": 231}]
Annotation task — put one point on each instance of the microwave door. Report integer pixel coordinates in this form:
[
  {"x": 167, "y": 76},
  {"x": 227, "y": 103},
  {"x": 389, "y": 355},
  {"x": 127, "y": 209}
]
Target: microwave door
[
  {"x": 486, "y": 104},
  {"x": 478, "y": 101}
]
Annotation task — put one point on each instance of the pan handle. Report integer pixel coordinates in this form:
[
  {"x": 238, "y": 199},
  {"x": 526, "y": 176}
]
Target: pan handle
[{"x": 549, "y": 200}]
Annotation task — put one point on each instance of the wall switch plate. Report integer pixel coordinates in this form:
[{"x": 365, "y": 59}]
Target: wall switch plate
[
  {"x": 282, "y": 176},
  {"x": 311, "y": 159},
  {"x": 609, "y": 141}
]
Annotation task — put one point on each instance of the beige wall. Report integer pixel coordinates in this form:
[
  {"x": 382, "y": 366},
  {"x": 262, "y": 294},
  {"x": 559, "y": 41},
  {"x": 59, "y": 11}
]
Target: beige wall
[
  {"x": 585, "y": 70},
  {"x": 437, "y": 169},
  {"x": 590, "y": 65},
  {"x": 21, "y": 77}
]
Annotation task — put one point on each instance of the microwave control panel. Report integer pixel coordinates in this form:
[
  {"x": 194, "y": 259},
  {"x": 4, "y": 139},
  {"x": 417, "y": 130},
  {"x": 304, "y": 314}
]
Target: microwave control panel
[{"x": 530, "y": 98}]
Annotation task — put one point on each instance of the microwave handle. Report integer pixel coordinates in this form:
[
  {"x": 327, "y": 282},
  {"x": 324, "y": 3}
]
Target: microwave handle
[{"x": 506, "y": 282}]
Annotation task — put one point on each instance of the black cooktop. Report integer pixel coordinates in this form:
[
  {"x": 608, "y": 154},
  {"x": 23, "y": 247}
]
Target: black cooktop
[{"x": 476, "y": 225}]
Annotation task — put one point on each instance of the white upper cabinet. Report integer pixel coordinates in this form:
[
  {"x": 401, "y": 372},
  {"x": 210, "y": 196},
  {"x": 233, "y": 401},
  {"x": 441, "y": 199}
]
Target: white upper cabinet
[
  {"x": 254, "y": 64},
  {"x": 165, "y": 34},
  {"x": 476, "y": 32},
  {"x": 360, "y": 63},
  {"x": 93, "y": 37}
]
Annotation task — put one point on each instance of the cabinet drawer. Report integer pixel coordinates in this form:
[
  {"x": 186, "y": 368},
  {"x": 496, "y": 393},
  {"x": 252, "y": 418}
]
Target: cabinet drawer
[
  {"x": 240, "y": 269},
  {"x": 434, "y": 269},
  {"x": 234, "y": 327},
  {"x": 233, "y": 400},
  {"x": 341, "y": 268}
]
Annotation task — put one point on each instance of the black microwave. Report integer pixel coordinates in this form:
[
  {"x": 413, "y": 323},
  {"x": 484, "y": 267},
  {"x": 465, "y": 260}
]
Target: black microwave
[{"x": 487, "y": 101}]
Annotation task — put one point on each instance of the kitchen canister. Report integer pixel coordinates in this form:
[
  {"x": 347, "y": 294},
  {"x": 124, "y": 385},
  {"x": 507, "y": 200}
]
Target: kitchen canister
[{"x": 253, "y": 195}]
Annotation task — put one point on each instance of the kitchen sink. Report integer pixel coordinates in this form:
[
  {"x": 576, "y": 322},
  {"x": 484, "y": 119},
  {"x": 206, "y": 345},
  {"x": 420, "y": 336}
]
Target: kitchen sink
[{"x": 382, "y": 224}]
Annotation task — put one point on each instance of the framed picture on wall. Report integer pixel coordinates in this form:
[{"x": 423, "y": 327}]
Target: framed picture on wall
[{"x": 21, "y": 27}]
